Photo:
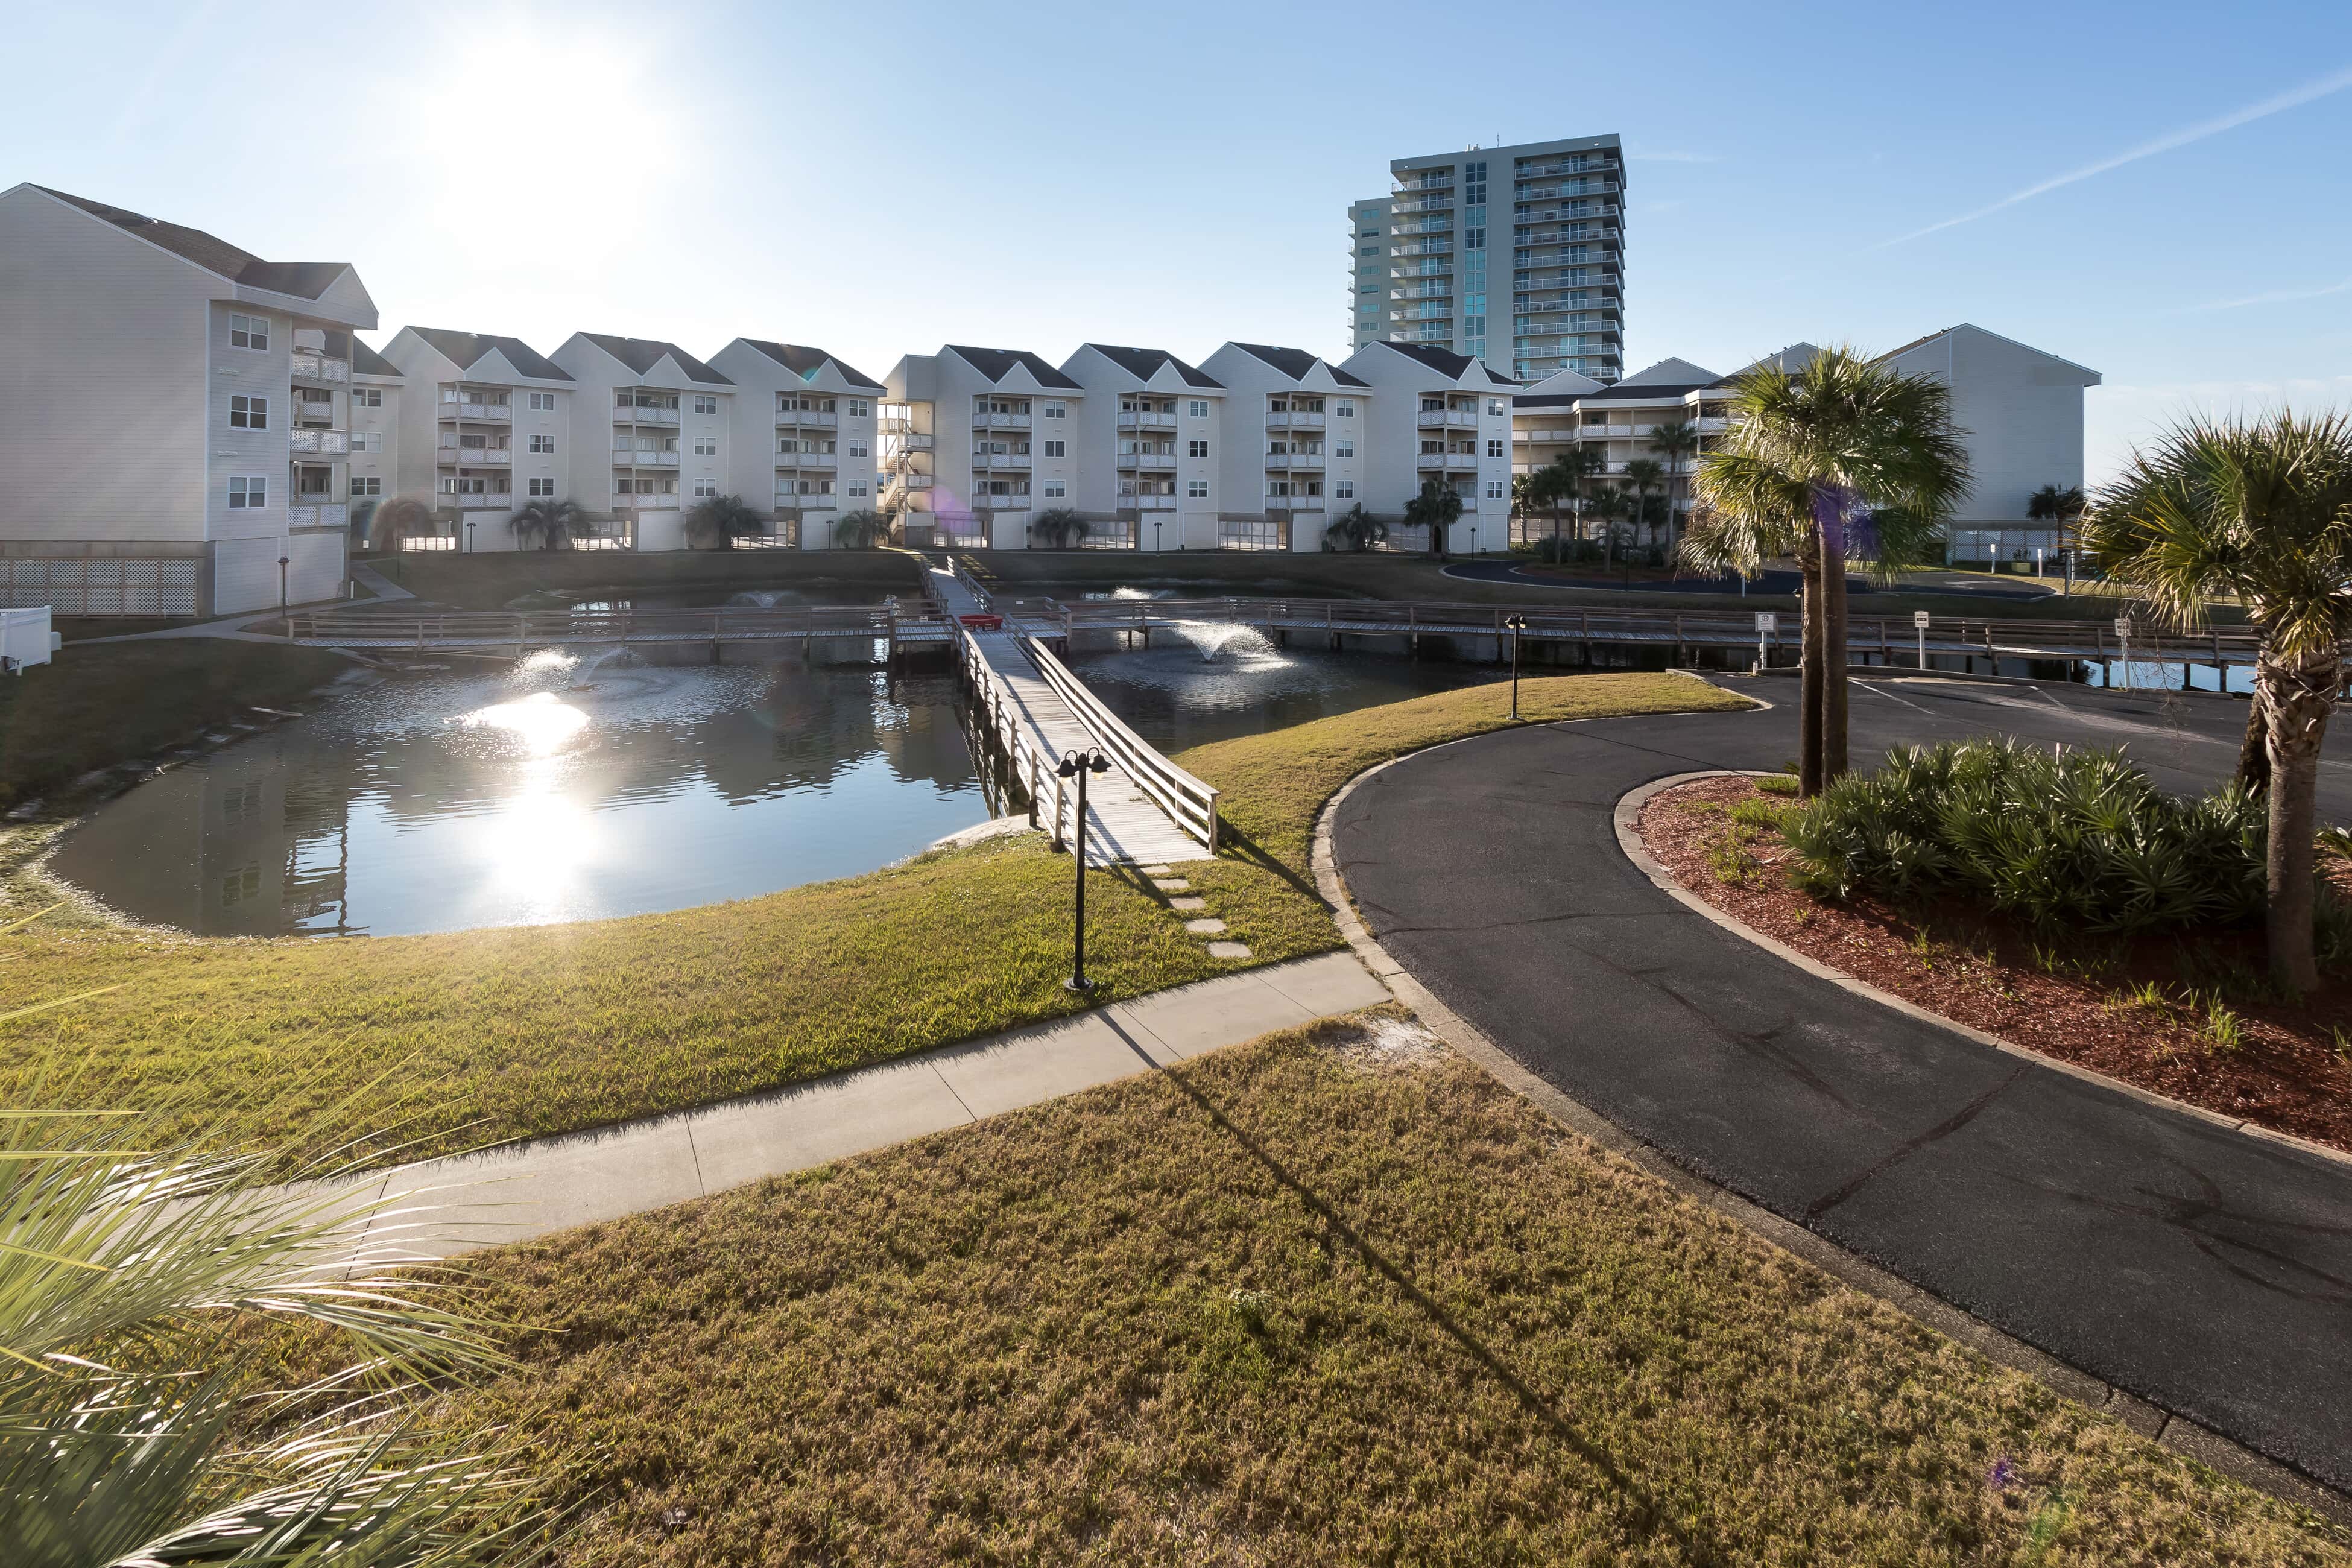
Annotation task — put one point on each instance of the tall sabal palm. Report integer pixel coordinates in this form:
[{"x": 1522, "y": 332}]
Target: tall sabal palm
[
  {"x": 1643, "y": 476},
  {"x": 715, "y": 522},
  {"x": 1847, "y": 459},
  {"x": 860, "y": 530},
  {"x": 1436, "y": 507},
  {"x": 2056, "y": 503},
  {"x": 1674, "y": 440},
  {"x": 2262, "y": 511},
  {"x": 1355, "y": 529},
  {"x": 546, "y": 524},
  {"x": 1060, "y": 528},
  {"x": 134, "y": 1259},
  {"x": 401, "y": 517},
  {"x": 1607, "y": 506},
  {"x": 1583, "y": 467}
]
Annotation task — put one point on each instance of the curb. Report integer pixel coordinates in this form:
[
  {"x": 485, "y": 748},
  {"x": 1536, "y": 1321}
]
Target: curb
[{"x": 2221, "y": 1454}]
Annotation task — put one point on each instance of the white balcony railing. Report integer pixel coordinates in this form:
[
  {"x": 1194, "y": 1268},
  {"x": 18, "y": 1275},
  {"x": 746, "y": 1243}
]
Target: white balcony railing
[
  {"x": 317, "y": 514},
  {"x": 482, "y": 500},
  {"x": 318, "y": 367},
  {"x": 624, "y": 457},
  {"x": 807, "y": 418},
  {"x": 1000, "y": 460},
  {"x": 1294, "y": 503},
  {"x": 501, "y": 411},
  {"x": 1132, "y": 419},
  {"x": 477, "y": 457},
  {"x": 1154, "y": 460},
  {"x": 1439, "y": 461},
  {"x": 808, "y": 459},
  {"x": 1297, "y": 419},
  {"x": 636, "y": 414},
  {"x": 325, "y": 443},
  {"x": 1146, "y": 503},
  {"x": 630, "y": 498},
  {"x": 1002, "y": 503}
]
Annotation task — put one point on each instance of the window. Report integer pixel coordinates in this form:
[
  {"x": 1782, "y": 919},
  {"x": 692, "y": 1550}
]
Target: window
[
  {"x": 1197, "y": 448},
  {"x": 542, "y": 488},
  {"x": 857, "y": 489},
  {"x": 541, "y": 402},
  {"x": 1056, "y": 448},
  {"x": 857, "y": 410},
  {"x": 858, "y": 449},
  {"x": 248, "y": 332},
  {"x": 367, "y": 440},
  {"x": 1054, "y": 490},
  {"x": 1198, "y": 489},
  {"x": 705, "y": 490},
  {"x": 1497, "y": 406},
  {"x": 365, "y": 485},
  {"x": 1494, "y": 448},
  {"x": 1343, "y": 446},
  {"x": 706, "y": 446},
  {"x": 1493, "y": 490},
  {"x": 367, "y": 397},
  {"x": 1277, "y": 486},
  {"x": 1057, "y": 410},
  {"x": 248, "y": 412},
  {"x": 1198, "y": 407},
  {"x": 706, "y": 406},
  {"x": 248, "y": 491},
  {"x": 1343, "y": 490},
  {"x": 1343, "y": 410},
  {"x": 1368, "y": 250},
  {"x": 542, "y": 443},
  {"x": 668, "y": 487}
]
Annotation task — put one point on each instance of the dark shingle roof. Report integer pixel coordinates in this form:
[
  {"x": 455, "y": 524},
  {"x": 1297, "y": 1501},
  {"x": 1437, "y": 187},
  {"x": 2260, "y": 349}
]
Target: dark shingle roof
[
  {"x": 641, "y": 354},
  {"x": 466, "y": 350},
  {"x": 365, "y": 361},
  {"x": 305, "y": 279},
  {"x": 1444, "y": 361},
  {"x": 1550, "y": 399},
  {"x": 996, "y": 363},
  {"x": 804, "y": 362},
  {"x": 1620, "y": 392},
  {"x": 1296, "y": 363},
  {"x": 1144, "y": 364}
]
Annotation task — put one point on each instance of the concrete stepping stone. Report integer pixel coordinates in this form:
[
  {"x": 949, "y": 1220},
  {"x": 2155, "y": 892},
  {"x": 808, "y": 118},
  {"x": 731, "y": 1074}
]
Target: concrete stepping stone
[
  {"x": 1171, "y": 884},
  {"x": 1205, "y": 927},
  {"x": 1228, "y": 950},
  {"x": 1188, "y": 903},
  {"x": 1160, "y": 870}
]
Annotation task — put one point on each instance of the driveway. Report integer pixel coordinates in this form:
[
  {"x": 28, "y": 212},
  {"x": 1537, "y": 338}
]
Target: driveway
[{"x": 2205, "y": 1270}]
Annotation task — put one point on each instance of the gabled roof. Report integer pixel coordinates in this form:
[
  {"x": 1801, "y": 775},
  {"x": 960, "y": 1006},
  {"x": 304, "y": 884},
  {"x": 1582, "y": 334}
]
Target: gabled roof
[
  {"x": 467, "y": 350},
  {"x": 805, "y": 363},
  {"x": 1792, "y": 359},
  {"x": 1145, "y": 364},
  {"x": 1446, "y": 361},
  {"x": 1972, "y": 327},
  {"x": 997, "y": 364},
  {"x": 1567, "y": 382},
  {"x": 641, "y": 354},
  {"x": 1296, "y": 363},
  {"x": 365, "y": 361},
  {"x": 303, "y": 280},
  {"x": 1671, "y": 373}
]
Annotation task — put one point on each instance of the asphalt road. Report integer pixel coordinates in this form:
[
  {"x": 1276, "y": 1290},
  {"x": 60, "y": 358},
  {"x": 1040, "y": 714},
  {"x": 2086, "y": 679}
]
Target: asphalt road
[{"x": 2205, "y": 1270}]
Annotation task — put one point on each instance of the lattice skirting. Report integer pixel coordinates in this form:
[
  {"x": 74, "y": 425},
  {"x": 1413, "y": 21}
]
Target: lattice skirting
[{"x": 102, "y": 585}]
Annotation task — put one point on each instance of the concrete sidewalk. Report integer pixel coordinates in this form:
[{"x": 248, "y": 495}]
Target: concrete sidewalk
[{"x": 444, "y": 1207}]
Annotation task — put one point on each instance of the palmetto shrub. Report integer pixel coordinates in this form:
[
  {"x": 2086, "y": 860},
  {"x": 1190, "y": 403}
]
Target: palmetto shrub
[{"x": 2078, "y": 839}]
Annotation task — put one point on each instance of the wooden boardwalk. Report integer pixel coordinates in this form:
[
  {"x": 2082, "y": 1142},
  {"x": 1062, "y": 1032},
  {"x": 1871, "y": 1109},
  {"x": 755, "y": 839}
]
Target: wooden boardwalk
[{"x": 1037, "y": 713}]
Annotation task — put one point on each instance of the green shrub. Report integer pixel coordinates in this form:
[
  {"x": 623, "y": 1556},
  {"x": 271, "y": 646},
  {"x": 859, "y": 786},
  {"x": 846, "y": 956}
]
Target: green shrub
[{"x": 2062, "y": 839}]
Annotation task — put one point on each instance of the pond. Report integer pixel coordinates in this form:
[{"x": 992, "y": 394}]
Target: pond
[{"x": 491, "y": 793}]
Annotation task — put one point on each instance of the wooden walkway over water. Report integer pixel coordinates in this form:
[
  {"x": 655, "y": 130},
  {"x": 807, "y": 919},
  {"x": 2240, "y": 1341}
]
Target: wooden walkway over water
[{"x": 1144, "y": 811}]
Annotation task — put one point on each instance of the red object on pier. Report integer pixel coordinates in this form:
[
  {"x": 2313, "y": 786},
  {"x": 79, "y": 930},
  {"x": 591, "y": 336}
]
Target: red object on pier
[{"x": 984, "y": 623}]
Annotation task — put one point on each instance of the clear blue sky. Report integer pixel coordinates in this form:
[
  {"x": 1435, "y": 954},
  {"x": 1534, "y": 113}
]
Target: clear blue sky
[{"x": 879, "y": 180}]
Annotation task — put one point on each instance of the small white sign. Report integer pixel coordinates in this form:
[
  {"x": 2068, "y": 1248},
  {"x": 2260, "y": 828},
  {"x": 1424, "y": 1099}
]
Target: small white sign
[
  {"x": 1919, "y": 620},
  {"x": 1767, "y": 620},
  {"x": 2123, "y": 626}
]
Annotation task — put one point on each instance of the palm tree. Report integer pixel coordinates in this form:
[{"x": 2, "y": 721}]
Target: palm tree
[
  {"x": 715, "y": 522},
  {"x": 1846, "y": 460},
  {"x": 402, "y": 517},
  {"x": 2263, "y": 511},
  {"x": 2060, "y": 504},
  {"x": 1355, "y": 529},
  {"x": 1675, "y": 439},
  {"x": 1059, "y": 527},
  {"x": 546, "y": 524},
  {"x": 1435, "y": 508},
  {"x": 139, "y": 1267},
  {"x": 1582, "y": 466},
  {"x": 860, "y": 530},
  {"x": 1641, "y": 474},
  {"x": 1608, "y": 506}
]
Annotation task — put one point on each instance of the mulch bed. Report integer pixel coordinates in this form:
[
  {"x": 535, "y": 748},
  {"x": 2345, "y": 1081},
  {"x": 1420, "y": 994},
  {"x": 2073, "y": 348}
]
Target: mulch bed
[{"x": 2080, "y": 998}]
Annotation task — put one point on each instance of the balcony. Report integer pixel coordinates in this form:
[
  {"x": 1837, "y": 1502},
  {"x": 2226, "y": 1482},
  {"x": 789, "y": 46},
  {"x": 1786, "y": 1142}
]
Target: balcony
[
  {"x": 1131, "y": 419},
  {"x": 475, "y": 457},
  {"x": 481, "y": 501},
  {"x": 318, "y": 367},
  {"x": 1445, "y": 462},
  {"x": 911, "y": 481},
  {"x": 629, "y": 457},
  {"x": 500, "y": 412},
  {"x": 1146, "y": 503},
  {"x": 1001, "y": 460},
  {"x": 1160, "y": 462},
  {"x": 1459, "y": 418},
  {"x": 1000, "y": 421},
  {"x": 1001, "y": 503},
  {"x": 1296, "y": 419},
  {"x": 1313, "y": 460},
  {"x": 644, "y": 503},
  {"x": 908, "y": 441},
  {"x": 1293, "y": 503},
  {"x": 637, "y": 413},
  {"x": 806, "y": 419},
  {"x": 325, "y": 443},
  {"x": 808, "y": 459}
]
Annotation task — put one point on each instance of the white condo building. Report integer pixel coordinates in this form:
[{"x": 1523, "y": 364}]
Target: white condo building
[
  {"x": 1148, "y": 441},
  {"x": 651, "y": 424},
  {"x": 1514, "y": 255},
  {"x": 974, "y": 441},
  {"x": 376, "y": 404},
  {"x": 150, "y": 450},
  {"x": 485, "y": 428},
  {"x": 1295, "y": 452},
  {"x": 1437, "y": 415},
  {"x": 806, "y": 445}
]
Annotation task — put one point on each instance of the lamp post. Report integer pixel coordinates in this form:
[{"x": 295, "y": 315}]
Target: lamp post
[
  {"x": 1077, "y": 765},
  {"x": 282, "y": 562},
  {"x": 1155, "y": 536},
  {"x": 469, "y": 536},
  {"x": 1517, "y": 626}
]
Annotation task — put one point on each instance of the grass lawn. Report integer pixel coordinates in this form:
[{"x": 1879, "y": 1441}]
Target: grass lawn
[
  {"x": 1319, "y": 1299},
  {"x": 108, "y": 702},
  {"x": 475, "y": 1035}
]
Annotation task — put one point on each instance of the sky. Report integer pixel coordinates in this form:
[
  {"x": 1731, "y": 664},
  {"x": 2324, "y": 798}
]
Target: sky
[{"x": 2157, "y": 191}]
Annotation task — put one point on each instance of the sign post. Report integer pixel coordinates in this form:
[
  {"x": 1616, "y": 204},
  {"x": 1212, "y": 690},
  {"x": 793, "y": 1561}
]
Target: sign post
[
  {"x": 1919, "y": 626},
  {"x": 1767, "y": 623},
  {"x": 2123, "y": 639}
]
